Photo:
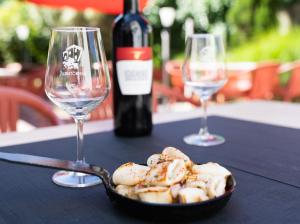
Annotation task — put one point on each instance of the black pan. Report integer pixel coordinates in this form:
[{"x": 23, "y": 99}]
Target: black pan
[{"x": 145, "y": 210}]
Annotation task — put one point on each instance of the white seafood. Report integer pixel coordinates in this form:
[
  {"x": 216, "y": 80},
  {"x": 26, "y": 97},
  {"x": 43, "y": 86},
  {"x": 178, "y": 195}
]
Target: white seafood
[
  {"x": 175, "y": 190},
  {"x": 192, "y": 195},
  {"x": 166, "y": 173},
  {"x": 171, "y": 153},
  {"x": 130, "y": 174},
  {"x": 170, "y": 177},
  {"x": 213, "y": 169},
  {"x": 203, "y": 177},
  {"x": 155, "y": 194},
  {"x": 154, "y": 159},
  {"x": 216, "y": 186},
  {"x": 127, "y": 191},
  {"x": 196, "y": 184}
]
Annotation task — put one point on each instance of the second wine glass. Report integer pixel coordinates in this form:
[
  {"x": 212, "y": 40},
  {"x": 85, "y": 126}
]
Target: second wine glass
[
  {"x": 77, "y": 80},
  {"x": 204, "y": 72}
]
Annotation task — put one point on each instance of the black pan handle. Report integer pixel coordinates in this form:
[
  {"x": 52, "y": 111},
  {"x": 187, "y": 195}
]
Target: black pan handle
[{"x": 56, "y": 164}]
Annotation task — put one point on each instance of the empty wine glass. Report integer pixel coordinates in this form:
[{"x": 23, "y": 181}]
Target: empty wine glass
[
  {"x": 204, "y": 72},
  {"x": 77, "y": 80}
]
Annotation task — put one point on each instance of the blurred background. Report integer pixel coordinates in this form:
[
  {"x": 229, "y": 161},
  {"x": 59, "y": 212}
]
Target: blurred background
[
  {"x": 254, "y": 30},
  {"x": 262, "y": 41}
]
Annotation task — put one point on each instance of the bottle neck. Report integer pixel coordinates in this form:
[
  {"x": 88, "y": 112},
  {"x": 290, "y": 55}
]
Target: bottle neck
[{"x": 131, "y": 6}]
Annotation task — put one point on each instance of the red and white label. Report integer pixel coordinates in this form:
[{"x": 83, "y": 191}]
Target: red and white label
[{"x": 134, "y": 70}]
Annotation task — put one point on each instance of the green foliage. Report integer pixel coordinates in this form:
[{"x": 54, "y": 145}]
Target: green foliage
[
  {"x": 152, "y": 11},
  {"x": 205, "y": 12},
  {"x": 12, "y": 15},
  {"x": 241, "y": 20},
  {"x": 248, "y": 18},
  {"x": 269, "y": 46},
  {"x": 39, "y": 20},
  {"x": 207, "y": 15}
]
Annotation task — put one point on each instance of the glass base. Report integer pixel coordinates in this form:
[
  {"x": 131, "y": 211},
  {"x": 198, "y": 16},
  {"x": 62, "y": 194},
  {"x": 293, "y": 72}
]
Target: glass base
[
  {"x": 74, "y": 179},
  {"x": 209, "y": 140}
]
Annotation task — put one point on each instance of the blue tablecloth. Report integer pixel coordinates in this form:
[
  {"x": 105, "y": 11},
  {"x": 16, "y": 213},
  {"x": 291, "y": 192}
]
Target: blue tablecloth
[{"x": 264, "y": 159}]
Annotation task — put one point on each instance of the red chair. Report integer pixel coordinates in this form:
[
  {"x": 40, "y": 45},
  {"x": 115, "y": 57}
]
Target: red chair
[
  {"x": 31, "y": 80},
  {"x": 238, "y": 84},
  {"x": 173, "y": 68},
  {"x": 293, "y": 87},
  {"x": 104, "y": 110},
  {"x": 172, "y": 95},
  {"x": 265, "y": 80},
  {"x": 10, "y": 101}
]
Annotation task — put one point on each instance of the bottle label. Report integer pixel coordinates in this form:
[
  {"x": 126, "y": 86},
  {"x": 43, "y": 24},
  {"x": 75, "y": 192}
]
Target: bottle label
[{"x": 134, "y": 70}]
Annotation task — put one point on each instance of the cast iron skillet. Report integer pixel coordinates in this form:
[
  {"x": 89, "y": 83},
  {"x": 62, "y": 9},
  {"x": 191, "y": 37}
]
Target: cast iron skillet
[{"x": 145, "y": 210}]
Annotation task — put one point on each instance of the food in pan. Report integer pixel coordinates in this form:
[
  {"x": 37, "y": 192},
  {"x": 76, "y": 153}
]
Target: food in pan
[
  {"x": 170, "y": 177},
  {"x": 130, "y": 174}
]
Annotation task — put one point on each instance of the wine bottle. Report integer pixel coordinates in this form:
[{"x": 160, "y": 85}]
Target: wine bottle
[{"x": 132, "y": 72}]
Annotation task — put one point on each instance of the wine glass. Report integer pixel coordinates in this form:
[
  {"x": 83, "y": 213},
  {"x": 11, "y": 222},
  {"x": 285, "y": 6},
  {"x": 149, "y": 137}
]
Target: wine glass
[
  {"x": 204, "y": 72},
  {"x": 77, "y": 80}
]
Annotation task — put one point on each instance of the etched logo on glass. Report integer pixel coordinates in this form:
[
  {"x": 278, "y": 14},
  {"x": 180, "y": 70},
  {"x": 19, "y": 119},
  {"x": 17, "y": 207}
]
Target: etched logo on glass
[
  {"x": 71, "y": 57},
  {"x": 207, "y": 54},
  {"x": 72, "y": 71}
]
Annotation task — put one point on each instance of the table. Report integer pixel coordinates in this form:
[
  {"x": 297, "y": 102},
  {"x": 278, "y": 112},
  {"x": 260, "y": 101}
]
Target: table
[
  {"x": 264, "y": 158},
  {"x": 268, "y": 112}
]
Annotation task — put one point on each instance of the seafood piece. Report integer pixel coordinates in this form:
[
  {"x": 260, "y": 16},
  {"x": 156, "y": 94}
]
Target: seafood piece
[
  {"x": 196, "y": 184},
  {"x": 191, "y": 195},
  {"x": 166, "y": 173},
  {"x": 170, "y": 177},
  {"x": 155, "y": 195},
  {"x": 126, "y": 191},
  {"x": 175, "y": 190},
  {"x": 130, "y": 174},
  {"x": 154, "y": 159},
  {"x": 203, "y": 177},
  {"x": 216, "y": 186},
  {"x": 213, "y": 169},
  {"x": 171, "y": 153}
]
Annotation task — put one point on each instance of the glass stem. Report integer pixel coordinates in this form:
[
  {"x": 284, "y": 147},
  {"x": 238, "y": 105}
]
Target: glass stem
[
  {"x": 80, "y": 154},
  {"x": 203, "y": 132}
]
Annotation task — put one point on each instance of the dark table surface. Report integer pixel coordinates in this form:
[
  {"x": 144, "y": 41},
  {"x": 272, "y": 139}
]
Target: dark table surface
[{"x": 264, "y": 159}]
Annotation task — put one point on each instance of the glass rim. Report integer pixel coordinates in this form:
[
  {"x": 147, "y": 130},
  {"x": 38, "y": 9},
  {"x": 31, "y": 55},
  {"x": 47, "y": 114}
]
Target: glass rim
[{"x": 76, "y": 29}]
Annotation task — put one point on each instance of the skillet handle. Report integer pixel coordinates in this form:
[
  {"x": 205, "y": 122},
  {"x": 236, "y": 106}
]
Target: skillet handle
[{"x": 46, "y": 162}]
